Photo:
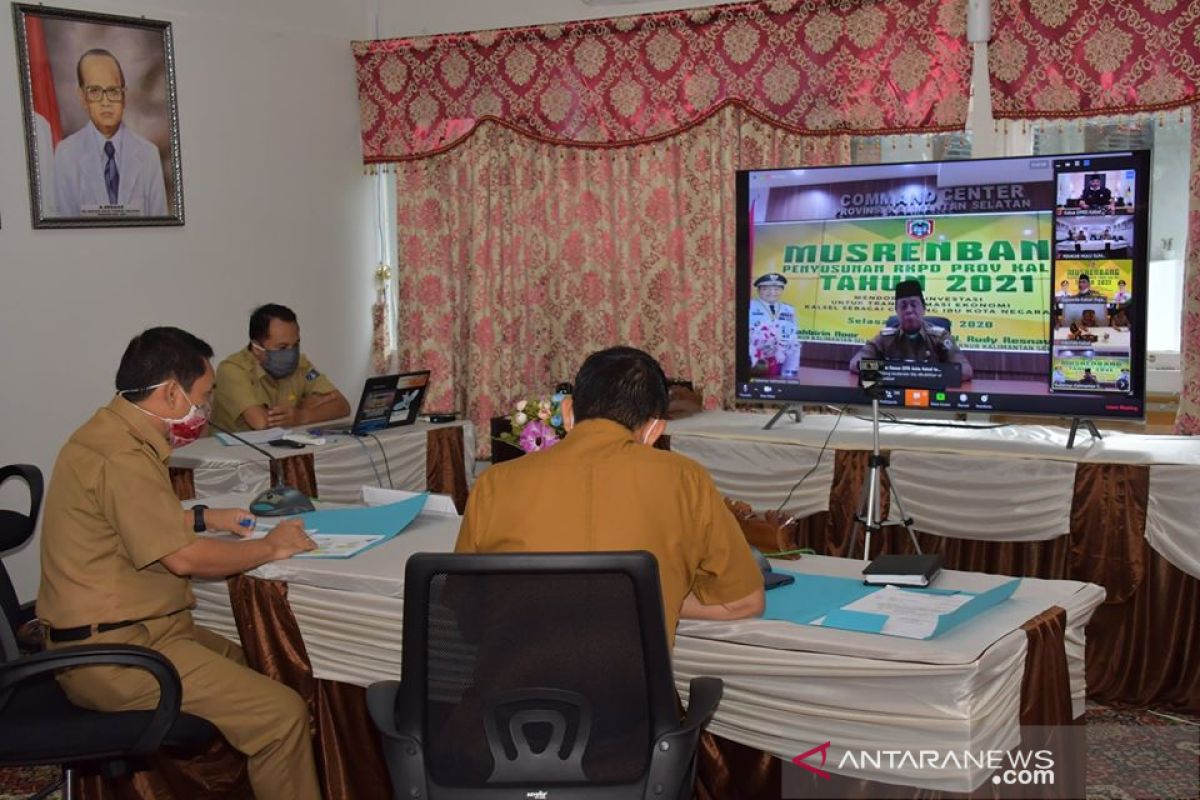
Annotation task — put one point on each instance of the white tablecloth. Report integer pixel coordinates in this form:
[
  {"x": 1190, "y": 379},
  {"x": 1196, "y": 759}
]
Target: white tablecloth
[
  {"x": 342, "y": 465},
  {"x": 1012, "y": 483},
  {"x": 1172, "y": 526},
  {"x": 788, "y": 687}
]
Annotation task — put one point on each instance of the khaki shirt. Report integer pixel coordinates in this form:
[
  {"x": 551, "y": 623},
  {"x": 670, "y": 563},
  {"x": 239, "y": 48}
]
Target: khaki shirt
[
  {"x": 242, "y": 383},
  {"x": 935, "y": 344},
  {"x": 598, "y": 489},
  {"x": 110, "y": 515}
]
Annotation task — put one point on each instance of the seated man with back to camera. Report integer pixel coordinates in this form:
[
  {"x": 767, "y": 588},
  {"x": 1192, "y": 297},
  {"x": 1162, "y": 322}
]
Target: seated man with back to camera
[
  {"x": 913, "y": 338},
  {"x": 270, "y": 383},
  {"x": 604, "y": 487},
  {"x": 118, "y": 553}
]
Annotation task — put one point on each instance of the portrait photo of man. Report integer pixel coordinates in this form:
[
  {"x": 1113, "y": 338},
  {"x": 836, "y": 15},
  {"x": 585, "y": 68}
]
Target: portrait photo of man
[
  {"x": 105, "y": 164},
  {"x": 100, "y": 116}
]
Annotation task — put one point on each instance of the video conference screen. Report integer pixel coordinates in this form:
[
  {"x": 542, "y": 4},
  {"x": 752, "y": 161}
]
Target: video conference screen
[{"x": 999, "y": 285}]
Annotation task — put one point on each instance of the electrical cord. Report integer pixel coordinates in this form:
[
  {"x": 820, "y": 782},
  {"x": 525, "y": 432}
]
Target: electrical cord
[
  {"x": 367, "y": 450},
  {"x": 387, "y": 466},
  {"x": 820, "y": 455}
]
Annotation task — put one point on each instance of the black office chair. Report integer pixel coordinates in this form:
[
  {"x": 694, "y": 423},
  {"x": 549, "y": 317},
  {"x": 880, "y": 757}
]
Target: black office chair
[
  {"x": 15, "y": 529},
  {"x": 941, "y": 322},
  {"x": 537, "y": 672},
  {"x": 39, "y": 725}
]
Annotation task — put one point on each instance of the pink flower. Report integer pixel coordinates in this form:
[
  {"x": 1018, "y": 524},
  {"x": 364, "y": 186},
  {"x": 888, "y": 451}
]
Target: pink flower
[{"x": 537, "y": 435}]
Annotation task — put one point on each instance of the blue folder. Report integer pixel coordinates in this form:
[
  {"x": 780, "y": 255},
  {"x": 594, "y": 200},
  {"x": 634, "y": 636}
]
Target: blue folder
[{"x": 812, "y": 597}]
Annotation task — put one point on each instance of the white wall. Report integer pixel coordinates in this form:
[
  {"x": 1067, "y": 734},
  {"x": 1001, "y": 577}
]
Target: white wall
[
  {"x": 277, "y": 209},
  {"x": 416, "y": 17}
]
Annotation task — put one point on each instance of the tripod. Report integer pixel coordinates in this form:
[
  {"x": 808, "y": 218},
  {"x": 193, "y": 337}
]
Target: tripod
[{"x": 870, "y": 501}]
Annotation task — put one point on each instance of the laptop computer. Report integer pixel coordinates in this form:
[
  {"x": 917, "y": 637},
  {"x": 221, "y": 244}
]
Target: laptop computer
[{"x": 387, "y": 401}]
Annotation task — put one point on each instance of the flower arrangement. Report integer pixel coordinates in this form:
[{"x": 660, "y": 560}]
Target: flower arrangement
[
  {"x": 536, "y": 423},
  {"x": 765, "y": 343}
]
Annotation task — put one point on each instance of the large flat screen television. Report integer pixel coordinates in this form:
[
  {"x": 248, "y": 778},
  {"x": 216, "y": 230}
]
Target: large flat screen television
[{"x": 1030, "y": 293}]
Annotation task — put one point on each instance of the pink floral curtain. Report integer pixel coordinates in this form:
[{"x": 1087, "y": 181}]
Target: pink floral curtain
[
  {"x": 1056, "y": 59},
  {"x": 866, "y": 66},
  {"x": 520, "y": 257}
]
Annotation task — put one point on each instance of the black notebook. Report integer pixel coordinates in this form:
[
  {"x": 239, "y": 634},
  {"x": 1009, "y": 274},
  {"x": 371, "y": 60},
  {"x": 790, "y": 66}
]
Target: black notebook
[{"x": 906, "y": 570}]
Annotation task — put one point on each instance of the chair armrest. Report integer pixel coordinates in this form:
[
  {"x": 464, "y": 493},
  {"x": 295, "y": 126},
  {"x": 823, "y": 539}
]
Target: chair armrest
[
  {"x": 704, "y": 695},
  {"x": 381, "y": 704},
  {"x": 673, "y": 760},
  {"x": 170, "y": 691}
]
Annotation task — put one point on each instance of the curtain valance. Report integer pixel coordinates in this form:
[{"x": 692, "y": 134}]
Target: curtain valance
[
  {"x": 818, "y": 66},
  {"x": 1076, "y": 58}
]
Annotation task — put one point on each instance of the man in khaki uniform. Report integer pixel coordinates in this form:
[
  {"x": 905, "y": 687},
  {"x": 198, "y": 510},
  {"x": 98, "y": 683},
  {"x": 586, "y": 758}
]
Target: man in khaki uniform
[
  {"x": 913, "y": 339},
  {"x": 117, "y": 553},
  {"x": 604, "y": 488},
  {"x": 270, "y": 382}
]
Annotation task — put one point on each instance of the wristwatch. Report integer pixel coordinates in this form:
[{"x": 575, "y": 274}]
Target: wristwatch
[{"x": 198, "y": 519}]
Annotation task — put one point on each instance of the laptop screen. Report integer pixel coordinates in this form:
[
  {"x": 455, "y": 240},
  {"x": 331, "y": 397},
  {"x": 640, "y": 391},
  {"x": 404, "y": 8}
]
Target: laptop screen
[{"x": 390, "y": 400}]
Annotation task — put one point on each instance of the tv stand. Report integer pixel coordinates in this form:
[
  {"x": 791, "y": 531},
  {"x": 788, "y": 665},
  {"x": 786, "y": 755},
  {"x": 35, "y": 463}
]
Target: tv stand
[
  {"x": 1075, "y": 423},
  {"x": 791, "y": 409}
]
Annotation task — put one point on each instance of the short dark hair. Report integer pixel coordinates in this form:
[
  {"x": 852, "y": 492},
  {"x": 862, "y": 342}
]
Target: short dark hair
[
  {"x": 160, "y": 354},
  {"x": 1083, "y": 276},
  {"x": 260, "y": 319},
  {"x": 97, "y": 51},
  {"x": 622, "y": 384}
]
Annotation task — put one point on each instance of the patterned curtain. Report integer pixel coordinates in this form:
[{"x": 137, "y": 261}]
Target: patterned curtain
[
  {"x": 568, "y": 187},
  {"x": 1057, "y": 59},
  {"x": 866, "y": 66},
  {"x": 520, "y": 257}
]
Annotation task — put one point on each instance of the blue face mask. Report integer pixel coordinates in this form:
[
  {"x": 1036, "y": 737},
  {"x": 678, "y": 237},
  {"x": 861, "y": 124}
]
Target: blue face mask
[{"x": 280, "y": 363}]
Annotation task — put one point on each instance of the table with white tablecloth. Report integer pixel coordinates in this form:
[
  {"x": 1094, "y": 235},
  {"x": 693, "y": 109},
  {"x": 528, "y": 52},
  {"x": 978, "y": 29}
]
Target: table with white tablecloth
[
  {"x": 440, "y": 458},
  {"x": 1011, "y": 499},
  {"x": 785, "y": 683}
]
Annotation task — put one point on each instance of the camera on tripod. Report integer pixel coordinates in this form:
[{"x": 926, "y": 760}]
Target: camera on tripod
[{"x": 870, "y": 376}]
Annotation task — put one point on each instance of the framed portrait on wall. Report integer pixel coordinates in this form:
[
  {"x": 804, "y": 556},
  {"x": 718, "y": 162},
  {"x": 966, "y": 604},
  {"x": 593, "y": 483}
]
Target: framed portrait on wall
[{"x": 101, "y": 119}]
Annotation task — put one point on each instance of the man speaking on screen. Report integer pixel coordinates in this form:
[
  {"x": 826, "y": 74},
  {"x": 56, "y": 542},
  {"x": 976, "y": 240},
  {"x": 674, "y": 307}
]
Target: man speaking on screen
[{"x": 912, "y": 338}]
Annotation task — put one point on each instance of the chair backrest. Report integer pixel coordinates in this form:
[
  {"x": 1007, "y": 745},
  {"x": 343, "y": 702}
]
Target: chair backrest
[
  {"x": 535, "y": 670},
  {"x": 16, "y": 528},
  {"x": 941, "y": 322}
]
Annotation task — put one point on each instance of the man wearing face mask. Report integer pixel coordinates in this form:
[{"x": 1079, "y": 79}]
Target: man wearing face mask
[
  {"x": 270, "y": 382},
  {"x": 118, "y": 553},
  {"x": 603, "y": 487},
  {"x": 611, "y": 490}
]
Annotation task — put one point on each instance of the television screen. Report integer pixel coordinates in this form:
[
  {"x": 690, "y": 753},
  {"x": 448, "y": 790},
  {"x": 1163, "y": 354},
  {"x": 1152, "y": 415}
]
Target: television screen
[{"x": 997, "y": 285}]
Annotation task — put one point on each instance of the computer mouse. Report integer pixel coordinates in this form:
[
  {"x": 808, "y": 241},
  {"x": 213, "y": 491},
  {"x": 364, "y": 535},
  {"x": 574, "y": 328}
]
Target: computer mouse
[{"x": 280, "y": 501}]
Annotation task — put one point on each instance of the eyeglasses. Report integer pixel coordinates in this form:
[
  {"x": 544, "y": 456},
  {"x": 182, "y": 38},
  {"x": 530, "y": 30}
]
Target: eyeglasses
[{"x": 114, "y": 94}]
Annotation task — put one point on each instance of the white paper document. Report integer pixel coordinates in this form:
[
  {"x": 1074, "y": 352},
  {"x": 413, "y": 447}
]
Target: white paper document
[
  {"x": 909, "y": 614},
  {"x": 340, "y": 545},
  {"x": 440, "y": 504}
]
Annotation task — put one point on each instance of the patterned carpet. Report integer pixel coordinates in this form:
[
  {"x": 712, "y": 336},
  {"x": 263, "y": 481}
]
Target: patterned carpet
[
  {"x": 1139, "y": 754},
  {"x": 1133, "y": 754}
]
